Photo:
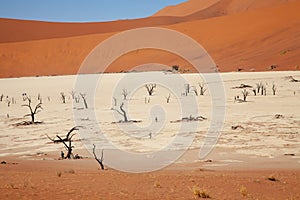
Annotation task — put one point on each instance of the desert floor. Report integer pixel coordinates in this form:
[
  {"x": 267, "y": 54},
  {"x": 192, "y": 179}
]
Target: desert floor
[{"x": 259, "y": 139}]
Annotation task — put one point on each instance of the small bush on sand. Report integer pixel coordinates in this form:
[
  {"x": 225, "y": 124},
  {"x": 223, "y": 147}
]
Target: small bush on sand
[
  {"x": 243, "y": 191},
  {"x": 58, "y": 174},
  {"x": 272, "y": 178},
  {"x": 201, "y": 193}
]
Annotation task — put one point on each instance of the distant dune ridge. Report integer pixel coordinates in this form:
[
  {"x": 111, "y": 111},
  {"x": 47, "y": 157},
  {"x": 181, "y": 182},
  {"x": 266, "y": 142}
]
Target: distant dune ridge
[{"x": 248, "y": 35}]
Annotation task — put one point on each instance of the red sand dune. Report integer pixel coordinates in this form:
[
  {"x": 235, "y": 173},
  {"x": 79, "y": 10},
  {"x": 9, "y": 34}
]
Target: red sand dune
[{"x": 251, "y": 35}]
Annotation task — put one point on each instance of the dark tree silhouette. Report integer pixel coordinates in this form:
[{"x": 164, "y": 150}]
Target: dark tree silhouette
[
  {"x": 187, "y": 88},
  {"x": 168, "y": 98},
  {"x": 67, "y": 141},
  {"x": 274, "y": 89},
  {"x": 67, "y": 138},
  {"x": 34, "y": 111},
  {"x": 150, "y": 88},
  {"x": 122, "y": 112},
  {"x": 99, "y": 160},
  {"x": 245, "y": 94},
  {"x": 202, "y": 88},
  {"x": 175, "y": 67},
  {"x": 83, "y": 96},
  {"x": 63, "y": 97}
]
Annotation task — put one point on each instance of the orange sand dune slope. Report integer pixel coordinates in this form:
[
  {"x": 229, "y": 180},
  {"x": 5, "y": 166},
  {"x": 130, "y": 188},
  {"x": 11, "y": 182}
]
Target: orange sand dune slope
[
  {"x": 249, "y": 39},
  {"x": 217, "y": 7}
]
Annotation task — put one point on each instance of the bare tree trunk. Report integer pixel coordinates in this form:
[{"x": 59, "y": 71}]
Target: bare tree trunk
[
  {"x": 84, "y": 100},
  {"x": 124, "y": 112},
  {"x": 99, "y": 160}
]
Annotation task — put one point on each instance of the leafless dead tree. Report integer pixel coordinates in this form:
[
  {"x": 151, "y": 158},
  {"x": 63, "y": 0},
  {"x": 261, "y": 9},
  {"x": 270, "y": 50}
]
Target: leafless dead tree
[
  {"x": 259, "y": 86},
  {"x": 73, "y": 93},
  {"x": 8, "y": 101},
  {"x": 168, "y": 98},
  {"x": 202, "y": 88},
  {"x": 292, "y": 79},
  {"x": 34, "y": 111},
  {"x": 83, "y": 96},
  {"x": 99, "y": 160},
  {"x": 274, "y": 89},
  {"x": 122, "y": 112},
  {"x": 150, "y": 88},
  {"x": 67, "y": 141},
  {"x": 245, "y": 94},
  {"x": 39, "y": 98},
  {"x": 63, "y": 97},
  {"x": 67, "y": 138},
  {"x": 194, "y": 89},
  {"x": 187, "y": 88},
  {"x": 124, "y": 93},
  {"x": 77, "y": 99}
]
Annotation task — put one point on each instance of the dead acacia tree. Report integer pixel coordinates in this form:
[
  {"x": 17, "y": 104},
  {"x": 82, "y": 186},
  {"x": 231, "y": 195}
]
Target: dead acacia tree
[
  {"x": 83, "y": 96},
  {"x": 122, "y": 112},
  {"x": 202, "y": 88},
  {"x": 274, "y": 89},
  {"x": 73, "y": 93},
  {"x": 34, "y": 111},
  {"x": 67, "y": 138},
  {"x": 99, "y": 160},
  {"x": 39, "y": 98},
  {"x": 292, "y": 79},
  {"x": 168, "y": 98},
  {"x": 245, "y": 94},
  {"x": 259, "y": 86},
  {"x": 67, "y": 141},
  {"x": 8, "y": 101},
  {"x": 124, "y": 93},
  {"x": 63, "y": 97},
  {"x": 187, "y": 88},
  {"x": 195, "y": 91},
  {"x": 150, "y": 88}
]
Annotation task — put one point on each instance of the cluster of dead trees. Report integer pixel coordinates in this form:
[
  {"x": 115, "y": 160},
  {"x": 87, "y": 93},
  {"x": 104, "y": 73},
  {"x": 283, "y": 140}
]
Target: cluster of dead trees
[
  {"x": 67, "y": 142},
  {"x": 259, "y": 89},
  {"x": 188, "y": 88}
]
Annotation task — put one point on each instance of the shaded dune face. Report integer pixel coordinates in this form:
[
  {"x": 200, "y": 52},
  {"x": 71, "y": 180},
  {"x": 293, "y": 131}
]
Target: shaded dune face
[{"x": 250, "y": 36}]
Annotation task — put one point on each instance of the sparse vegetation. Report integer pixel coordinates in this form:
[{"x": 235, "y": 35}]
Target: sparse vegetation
[
  {"x": 201, "y": 193},
  {"x": 243, "y": 191},
  {"x": 272, "y": 178},
  {"x": 175, "y": 68}
]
